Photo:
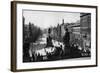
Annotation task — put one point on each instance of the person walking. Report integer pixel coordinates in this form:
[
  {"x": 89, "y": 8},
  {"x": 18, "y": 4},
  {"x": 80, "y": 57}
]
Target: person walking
[{"x": 66, "y": 41}]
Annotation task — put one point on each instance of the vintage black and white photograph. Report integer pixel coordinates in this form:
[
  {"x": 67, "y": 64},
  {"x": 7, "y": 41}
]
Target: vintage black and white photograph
[
  {"x": 47, "y": 36},
  {"x": 56, "y": 35}
]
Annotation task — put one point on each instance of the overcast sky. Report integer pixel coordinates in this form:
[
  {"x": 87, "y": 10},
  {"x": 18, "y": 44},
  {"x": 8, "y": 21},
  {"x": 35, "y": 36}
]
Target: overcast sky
[{"x": 45, "y": 19}]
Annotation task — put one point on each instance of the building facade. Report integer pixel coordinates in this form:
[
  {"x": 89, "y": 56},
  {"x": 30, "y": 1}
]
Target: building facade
[{"x": 85, "y": 21}]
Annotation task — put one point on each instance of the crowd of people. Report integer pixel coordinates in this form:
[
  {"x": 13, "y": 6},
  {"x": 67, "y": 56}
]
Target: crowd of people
[{"x": 62, "y": 51}]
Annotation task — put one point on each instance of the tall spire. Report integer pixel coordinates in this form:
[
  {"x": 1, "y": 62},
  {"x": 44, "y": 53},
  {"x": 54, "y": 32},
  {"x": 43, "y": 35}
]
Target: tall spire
[{"x": 62, "y": 21}]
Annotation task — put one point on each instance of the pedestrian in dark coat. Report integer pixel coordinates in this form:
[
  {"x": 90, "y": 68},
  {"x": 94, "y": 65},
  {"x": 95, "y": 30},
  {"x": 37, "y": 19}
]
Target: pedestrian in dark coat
[
  {"x": 66, "y": 41},
  {"x": 66, "y": 38}
]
